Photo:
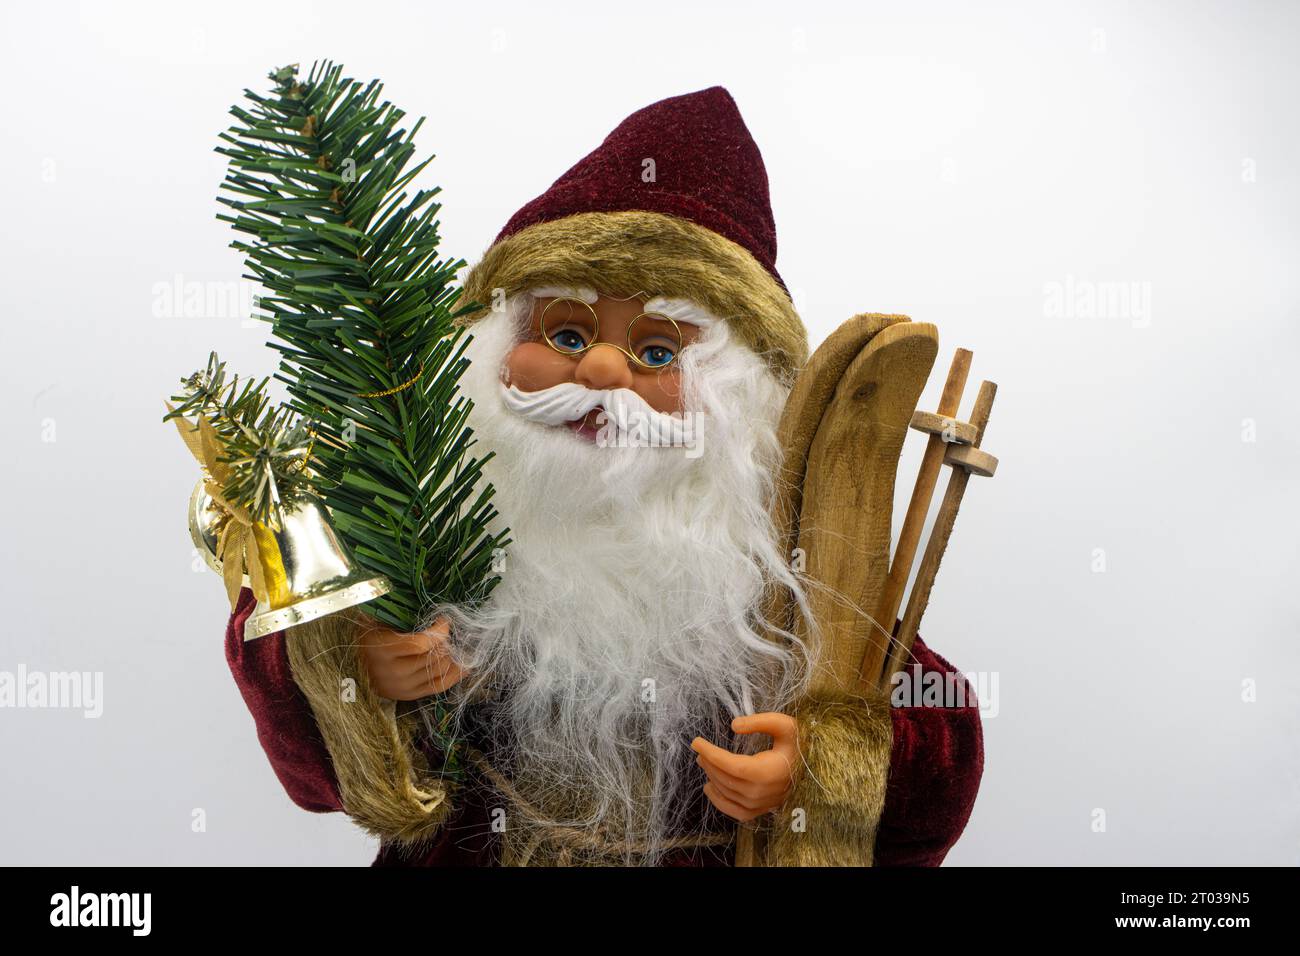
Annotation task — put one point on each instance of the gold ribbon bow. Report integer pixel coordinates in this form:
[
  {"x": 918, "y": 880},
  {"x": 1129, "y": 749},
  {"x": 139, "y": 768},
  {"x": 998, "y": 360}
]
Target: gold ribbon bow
[{"x": 237, "y": 542}]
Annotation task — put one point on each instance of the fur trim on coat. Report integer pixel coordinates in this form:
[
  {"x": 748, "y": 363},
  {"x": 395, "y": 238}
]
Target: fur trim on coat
[
  {"x": 833, "y": 811},
  {"x": 383, "y": 777}
]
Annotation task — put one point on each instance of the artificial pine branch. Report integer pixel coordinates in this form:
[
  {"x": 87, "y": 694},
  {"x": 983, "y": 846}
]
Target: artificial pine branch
[{"x": 363, "y": 309}]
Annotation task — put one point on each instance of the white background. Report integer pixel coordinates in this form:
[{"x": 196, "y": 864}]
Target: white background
[{"x": 950, "y": 161}]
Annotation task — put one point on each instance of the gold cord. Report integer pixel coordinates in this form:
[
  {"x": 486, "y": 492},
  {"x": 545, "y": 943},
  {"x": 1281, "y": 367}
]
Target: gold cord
[{"x": 393, "y": 391}]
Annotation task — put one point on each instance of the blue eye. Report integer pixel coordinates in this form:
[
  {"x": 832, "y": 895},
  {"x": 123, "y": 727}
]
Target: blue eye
[
  {"x": 568, "y": 341},
  {"x": 657, "y": 356}
]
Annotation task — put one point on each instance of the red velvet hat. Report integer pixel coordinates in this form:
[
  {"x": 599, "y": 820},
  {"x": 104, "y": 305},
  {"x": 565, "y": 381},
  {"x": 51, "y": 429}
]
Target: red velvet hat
[
  {"x": 673, "y": 203},
  {"x": 706, "y": 169}
]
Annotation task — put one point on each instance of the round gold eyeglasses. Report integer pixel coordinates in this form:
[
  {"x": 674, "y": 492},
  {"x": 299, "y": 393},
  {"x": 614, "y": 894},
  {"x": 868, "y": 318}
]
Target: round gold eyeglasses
[{"x": 570, "y": 327}]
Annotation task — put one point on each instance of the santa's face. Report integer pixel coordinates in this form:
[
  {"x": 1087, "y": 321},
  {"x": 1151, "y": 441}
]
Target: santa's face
[{"x": 602, "y": 343}]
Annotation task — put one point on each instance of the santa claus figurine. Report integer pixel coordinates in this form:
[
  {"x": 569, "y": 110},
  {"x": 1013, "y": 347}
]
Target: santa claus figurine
[{"x": 627, "y": 694}]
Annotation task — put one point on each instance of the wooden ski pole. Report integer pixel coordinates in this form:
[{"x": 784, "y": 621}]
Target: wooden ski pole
[
  {"x": 964, "y": 460},
  {"x": 914, "y": 521}
]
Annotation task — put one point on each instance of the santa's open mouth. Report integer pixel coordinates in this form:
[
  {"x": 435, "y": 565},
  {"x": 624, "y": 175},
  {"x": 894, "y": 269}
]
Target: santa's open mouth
[{"x": 587, "y": 426}]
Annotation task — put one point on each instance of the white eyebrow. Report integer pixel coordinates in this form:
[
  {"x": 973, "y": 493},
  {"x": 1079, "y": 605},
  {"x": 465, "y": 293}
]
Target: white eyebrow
[
  {"x": 681, "y": 310},
  {"x": 564, "y": 292}
]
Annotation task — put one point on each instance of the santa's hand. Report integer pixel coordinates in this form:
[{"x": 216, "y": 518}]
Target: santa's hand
[
  {"x": 744, "y": 786},
  {"x": 410, "y": 666}
]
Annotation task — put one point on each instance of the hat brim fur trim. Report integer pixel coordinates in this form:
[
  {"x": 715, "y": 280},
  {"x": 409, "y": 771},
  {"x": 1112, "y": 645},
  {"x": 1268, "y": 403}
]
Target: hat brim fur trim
[{"x": 633, "y": 252}]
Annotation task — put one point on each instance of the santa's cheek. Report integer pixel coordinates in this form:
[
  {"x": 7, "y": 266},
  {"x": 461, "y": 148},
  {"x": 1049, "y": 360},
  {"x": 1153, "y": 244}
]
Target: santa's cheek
[
  {"x": 661, "y": 390},
  {"x": 533, "y": 366}
]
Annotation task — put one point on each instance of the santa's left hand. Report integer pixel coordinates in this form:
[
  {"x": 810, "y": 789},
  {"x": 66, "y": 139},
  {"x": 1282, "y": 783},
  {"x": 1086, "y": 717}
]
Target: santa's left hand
[{"x": 744, "y": 786}]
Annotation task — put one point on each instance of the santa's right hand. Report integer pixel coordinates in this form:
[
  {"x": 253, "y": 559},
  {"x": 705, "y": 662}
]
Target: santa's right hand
[{"x": 410, "y": 666}]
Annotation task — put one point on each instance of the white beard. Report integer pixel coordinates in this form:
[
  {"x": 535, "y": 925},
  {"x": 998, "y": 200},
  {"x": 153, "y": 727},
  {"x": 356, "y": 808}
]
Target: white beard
[{"x": 627, "y": 618}]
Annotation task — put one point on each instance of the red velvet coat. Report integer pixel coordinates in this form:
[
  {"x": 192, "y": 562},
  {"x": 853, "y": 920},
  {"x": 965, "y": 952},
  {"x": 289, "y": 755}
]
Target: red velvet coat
[{"x": 934, "y": 774}]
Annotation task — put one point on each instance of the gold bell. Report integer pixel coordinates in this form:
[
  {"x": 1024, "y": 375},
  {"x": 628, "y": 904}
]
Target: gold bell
[
  {"x": 307, "y": 569},
  {"x": 207, "y": 521}
]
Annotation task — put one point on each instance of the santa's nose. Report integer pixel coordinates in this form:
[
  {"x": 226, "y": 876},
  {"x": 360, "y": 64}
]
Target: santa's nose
[{"x": 603, "y": 367}]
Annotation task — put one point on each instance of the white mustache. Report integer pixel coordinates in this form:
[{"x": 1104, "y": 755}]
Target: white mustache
[{"x": 625, "y": 411}]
